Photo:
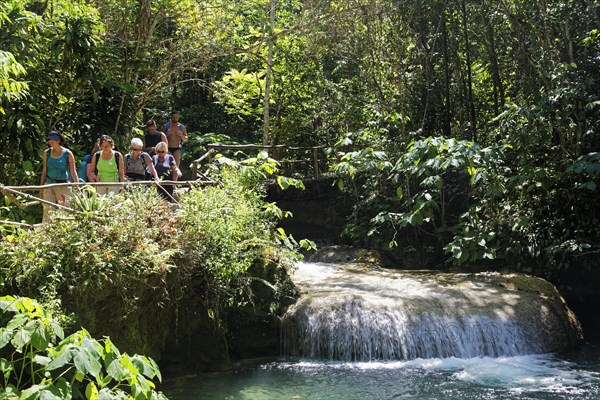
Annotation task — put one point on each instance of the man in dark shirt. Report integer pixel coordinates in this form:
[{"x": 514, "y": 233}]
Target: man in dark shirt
[{"x": 152, "y": 137}]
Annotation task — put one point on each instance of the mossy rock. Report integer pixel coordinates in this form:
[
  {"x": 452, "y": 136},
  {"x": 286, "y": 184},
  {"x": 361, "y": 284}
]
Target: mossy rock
[{"x": 342, "y": 254}]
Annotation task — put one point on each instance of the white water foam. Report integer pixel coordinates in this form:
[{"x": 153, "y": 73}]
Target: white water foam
[
  {"x": 521, "y": 374},
  {"x": 356, "y": 313}
]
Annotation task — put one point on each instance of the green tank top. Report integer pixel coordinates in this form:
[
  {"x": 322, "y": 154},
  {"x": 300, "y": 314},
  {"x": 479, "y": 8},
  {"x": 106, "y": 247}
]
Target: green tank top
[{"x": 107, "y": 169}]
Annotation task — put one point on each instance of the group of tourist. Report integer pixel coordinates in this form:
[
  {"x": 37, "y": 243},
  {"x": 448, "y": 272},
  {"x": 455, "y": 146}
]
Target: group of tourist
[{"x": 155, "y": 157}]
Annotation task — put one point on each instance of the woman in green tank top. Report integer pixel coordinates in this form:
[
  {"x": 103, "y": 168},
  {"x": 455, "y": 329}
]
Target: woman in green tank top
[{"x": 107, "y": 166}]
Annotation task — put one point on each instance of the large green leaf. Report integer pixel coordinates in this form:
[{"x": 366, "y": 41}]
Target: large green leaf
[
  {"x": 144, "y": 365},
  {"x": 61, "y": 389},
  {"x": 62, "y": 356},
  {"x": 116, "y": 370},
  {"x": 91, "y": 391},
  {"x": 5, "y": 336},
  {"x": 20, "y": 338},
  {"x": 17, "y": 321},
  {"x": 32, "y": 392},
  {"x": 51, "y": 394},
  {"x": 86, "y": 362},
  {"x": 40, "y": 335}
]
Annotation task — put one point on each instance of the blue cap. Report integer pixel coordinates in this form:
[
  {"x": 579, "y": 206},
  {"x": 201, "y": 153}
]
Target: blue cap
[{"x": 53, "y": 135}]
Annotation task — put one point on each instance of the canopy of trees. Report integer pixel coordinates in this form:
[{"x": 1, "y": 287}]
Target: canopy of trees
[{"x": 467, "y": 129}]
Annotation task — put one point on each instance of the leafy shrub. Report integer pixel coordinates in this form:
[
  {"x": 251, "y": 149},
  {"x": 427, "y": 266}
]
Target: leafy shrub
[
  {"x": 38, "y": 362},
  {"x": 130, "y": 264},
  {"x": 101, "y": 266},
  {"x": 232, "y": 230}
]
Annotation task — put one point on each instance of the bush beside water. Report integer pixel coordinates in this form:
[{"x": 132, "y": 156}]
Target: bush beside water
[
  {"x": 37, "y": 361},
  {"x": 151, "y": 277}
]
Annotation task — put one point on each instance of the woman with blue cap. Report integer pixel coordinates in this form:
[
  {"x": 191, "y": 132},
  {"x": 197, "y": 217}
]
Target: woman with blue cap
[{"x": 57, "y": 163}]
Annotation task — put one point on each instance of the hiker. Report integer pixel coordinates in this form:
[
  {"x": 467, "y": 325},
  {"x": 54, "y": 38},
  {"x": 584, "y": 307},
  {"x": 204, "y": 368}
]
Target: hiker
[
  {"x": 152, "y": 137},
  {"x": 86, "y": 163},
  {"x": 137, "y": 161},
  {"x": 58, "y": 163},
  {"x": 107, "y": 166},
  {"x": 166, "y": 168},
  {"x": 176, "y": 133}
]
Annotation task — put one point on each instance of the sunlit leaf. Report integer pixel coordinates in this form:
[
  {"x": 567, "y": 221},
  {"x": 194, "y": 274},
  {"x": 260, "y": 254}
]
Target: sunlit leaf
[{"x": 91, "y": 391}]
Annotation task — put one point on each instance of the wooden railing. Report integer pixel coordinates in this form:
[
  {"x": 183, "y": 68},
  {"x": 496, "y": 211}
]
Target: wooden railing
[
  {"x": 277, "y": 152},
  {"x": 19, "y": 195}
]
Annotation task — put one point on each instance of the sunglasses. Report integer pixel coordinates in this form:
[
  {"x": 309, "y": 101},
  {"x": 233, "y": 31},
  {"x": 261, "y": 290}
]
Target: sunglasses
[
  {"x": 160, "y": 151},
  {"x": 136, "y": 149}
]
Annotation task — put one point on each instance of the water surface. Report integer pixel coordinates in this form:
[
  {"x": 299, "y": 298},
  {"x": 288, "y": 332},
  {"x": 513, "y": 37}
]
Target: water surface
[
  {"x": 451, "y": 320},
  {"x": 575, "y": 375}
]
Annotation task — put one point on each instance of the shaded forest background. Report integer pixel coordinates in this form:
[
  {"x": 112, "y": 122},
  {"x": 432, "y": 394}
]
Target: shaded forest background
[{"x": 462, "y": 130}]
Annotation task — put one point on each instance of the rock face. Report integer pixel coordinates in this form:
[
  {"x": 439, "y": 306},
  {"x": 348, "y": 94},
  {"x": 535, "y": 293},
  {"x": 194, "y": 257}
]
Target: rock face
[
  {"x": 319, "y": 212},
  {"x": 353, "y": 312},
  {"x": 344, "y": 254}
]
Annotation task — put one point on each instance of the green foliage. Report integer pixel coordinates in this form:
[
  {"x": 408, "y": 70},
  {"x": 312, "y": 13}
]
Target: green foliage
[
  {"x": 240, "y": 93},
  {"x": 422, "y": 172},
  {"x": 253, "y": 171},
  {"x": 362, "y": 74},
  {"x": 519, "y": 218},
  {"x": 113, "y": 263},
  {"x": 10, "y": 88},
  {"x": 101, "y": 266},
  {"x": 424, "y": 190},
  {"x": 38, "y": 362},
  {"x": 233, "y": 232},
  {"x": 56, "y": 54},
  {"x": 99, "y": 253}
]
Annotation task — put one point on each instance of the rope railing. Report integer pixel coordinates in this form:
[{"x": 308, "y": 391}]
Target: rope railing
[
  {"x": 14, "y": 192},
  {"x": 123, "y": 184}
]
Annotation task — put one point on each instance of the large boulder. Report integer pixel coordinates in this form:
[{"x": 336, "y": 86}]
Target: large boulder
[{"x": 355, "y": 312}]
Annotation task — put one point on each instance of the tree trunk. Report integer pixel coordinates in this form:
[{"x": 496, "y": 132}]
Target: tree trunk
[
  {"x": 471, "y": 105},
  {"x": 447, "y": 108},
  {"x": 266, "y": 138},
  {"x": 498, "y": 87}
]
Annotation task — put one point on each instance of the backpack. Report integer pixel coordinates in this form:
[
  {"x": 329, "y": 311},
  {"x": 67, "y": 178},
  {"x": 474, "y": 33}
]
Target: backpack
[
  {"x": 128, "y": 156},
  {"x": 82, "y": 169},
  {"x": 97, "y": 157}
]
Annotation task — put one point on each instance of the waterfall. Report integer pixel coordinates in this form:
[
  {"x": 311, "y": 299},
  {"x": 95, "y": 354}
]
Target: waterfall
[{"x": 353, "y": 312}]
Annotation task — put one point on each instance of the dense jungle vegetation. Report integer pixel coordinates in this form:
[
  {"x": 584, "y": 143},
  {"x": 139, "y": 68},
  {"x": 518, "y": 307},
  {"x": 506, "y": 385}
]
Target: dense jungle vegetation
[
  {"x": 464, "y": 131},
  {"x": 184, "y": 282}
]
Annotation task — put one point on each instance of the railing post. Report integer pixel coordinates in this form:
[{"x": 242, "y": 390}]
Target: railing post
[
  {"x": 194, "y": 170},
  {"x": 316, "y": 161}
]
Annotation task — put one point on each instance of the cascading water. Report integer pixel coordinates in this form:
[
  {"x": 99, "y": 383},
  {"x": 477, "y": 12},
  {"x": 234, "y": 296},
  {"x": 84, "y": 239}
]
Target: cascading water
[
  {"x": 421, "y": 336},
  {"x": 357, "y": 313}
]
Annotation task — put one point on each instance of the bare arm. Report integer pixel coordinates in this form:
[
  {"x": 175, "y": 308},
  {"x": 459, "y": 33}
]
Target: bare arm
[
  {"x": 91, "y": 170},
  {"x": 176, "y": 170},
  {"x": 150, "y": 165},
  {"x": 72, "y": 167},
  {"x": 183, "y": 134},
  {"x": 121, "y": 168},
  {"x": 44, "y": 167},
  {"x": 153, "y": 171}
]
